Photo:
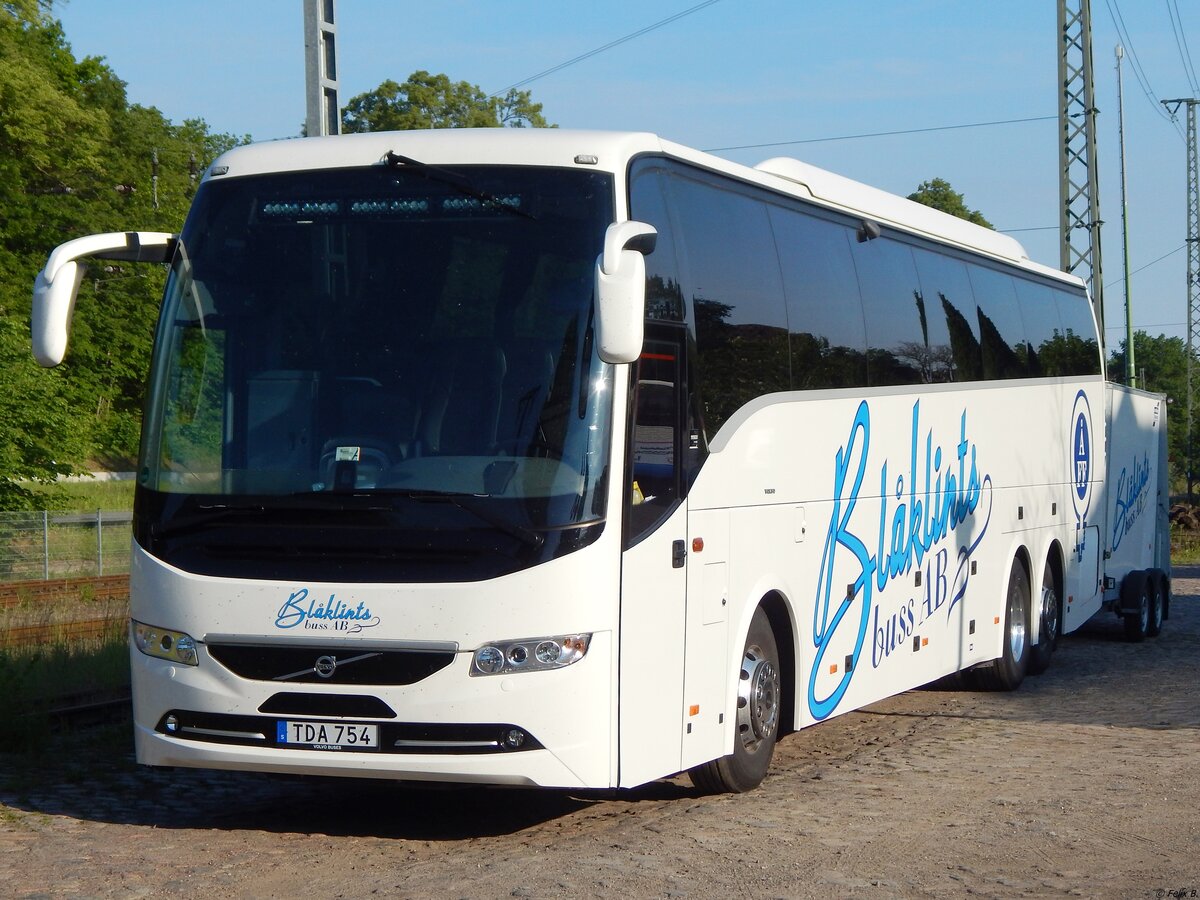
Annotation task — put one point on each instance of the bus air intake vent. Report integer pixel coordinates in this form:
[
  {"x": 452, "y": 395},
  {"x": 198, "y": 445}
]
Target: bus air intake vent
[{"x": 329, "y": 664}]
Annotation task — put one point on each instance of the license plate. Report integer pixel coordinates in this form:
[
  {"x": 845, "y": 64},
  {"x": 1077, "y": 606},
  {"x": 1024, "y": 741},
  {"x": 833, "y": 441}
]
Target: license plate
[{"x": 327, "y": 735}]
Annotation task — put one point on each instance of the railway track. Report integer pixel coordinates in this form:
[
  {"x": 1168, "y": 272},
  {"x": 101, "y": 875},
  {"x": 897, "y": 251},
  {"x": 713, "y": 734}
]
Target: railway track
[
  {"x": 100, "y": 587},
  {"x": 54, "y": 632}
]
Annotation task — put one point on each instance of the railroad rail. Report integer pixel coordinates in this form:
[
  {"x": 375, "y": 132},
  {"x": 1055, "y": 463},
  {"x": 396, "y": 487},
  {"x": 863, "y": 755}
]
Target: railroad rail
[
  {"x": 101, "y": 587},
  {"x": 86, "y": 629}
]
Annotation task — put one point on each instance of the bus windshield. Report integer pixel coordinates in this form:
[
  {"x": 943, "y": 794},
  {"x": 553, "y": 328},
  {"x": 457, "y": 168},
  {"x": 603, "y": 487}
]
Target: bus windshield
[{"x": 398, "y": 331}]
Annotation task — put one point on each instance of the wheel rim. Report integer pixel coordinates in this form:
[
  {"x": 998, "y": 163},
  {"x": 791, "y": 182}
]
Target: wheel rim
[
  {"x": 1144, "y": 611},
  {"x": 1049, "y": 626},
  {"x": 1016, "y": 624},
  {"x": 1155, "y": 613},
  {"x": 758, "y": 698}
]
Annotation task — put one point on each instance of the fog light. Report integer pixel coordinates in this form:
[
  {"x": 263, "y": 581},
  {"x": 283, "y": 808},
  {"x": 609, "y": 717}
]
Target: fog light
[
  {"x": 518, "y": 655},
  {"x": 514, "y": 738},
  {"x": 171, "y": 724}
]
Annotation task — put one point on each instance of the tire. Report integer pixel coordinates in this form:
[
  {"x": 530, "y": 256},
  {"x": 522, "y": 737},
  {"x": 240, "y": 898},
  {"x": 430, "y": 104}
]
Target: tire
[
  {"x": 1135, "y": 605},
  {"x": 758, "y": 715},
  {"x": 1007, "y": 672},
  {"x": 1157, "y": 593},
  {"x": 1049, "y": 624}
]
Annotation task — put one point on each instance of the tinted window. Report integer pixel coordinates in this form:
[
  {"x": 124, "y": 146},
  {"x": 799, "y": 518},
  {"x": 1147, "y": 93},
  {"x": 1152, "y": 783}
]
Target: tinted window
[
  {"x": 946, "y": 291},
  {"x": 905, "y": 345},
  {"x": 824, "y": 309},
  {"x": 664, "y": 298},
  {"x": 1043, "y": 328},
  {"x": 1081, "y": 353},
  {"x": 734, "y": 285},
  {"x": 1001, "y": 332}
]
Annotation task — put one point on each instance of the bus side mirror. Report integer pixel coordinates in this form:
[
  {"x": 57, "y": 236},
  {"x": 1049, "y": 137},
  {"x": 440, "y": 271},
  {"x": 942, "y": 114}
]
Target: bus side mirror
[
  {"x": 57, "y": 284},
  {"x": 621, "y": 290}
]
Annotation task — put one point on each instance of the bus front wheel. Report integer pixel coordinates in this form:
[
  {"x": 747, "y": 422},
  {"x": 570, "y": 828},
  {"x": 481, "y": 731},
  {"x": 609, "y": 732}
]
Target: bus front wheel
[{"x": 758, "y": 714}]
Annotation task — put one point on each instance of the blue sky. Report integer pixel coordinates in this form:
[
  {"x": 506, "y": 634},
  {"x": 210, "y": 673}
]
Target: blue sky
[{"x": 735, "y": 73}]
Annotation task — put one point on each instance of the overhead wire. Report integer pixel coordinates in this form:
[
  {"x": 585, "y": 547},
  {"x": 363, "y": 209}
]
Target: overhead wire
[
  {"x": 1185, "y": 54},
  {"x": 875, "y": 134},
  {"x": 621, "y": 40},
  {"x": 1118, "y": 20}
]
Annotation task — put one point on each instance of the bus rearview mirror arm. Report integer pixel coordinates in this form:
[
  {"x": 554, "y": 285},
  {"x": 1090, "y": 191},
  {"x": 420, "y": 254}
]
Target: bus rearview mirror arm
[
  {"x": 621, "y": 290},
  {"x": 57, "y": 284}
]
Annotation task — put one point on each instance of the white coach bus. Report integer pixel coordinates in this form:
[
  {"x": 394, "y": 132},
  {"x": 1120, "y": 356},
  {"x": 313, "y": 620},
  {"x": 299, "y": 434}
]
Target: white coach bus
[{"x": 581, "y": 459}]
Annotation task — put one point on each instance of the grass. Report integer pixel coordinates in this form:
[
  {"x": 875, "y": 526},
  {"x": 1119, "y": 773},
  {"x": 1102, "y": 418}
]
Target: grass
[
  {"x": 33, "y": 680},
  {"x": 1185, "y": 547},
  {"x": 86, "y": 494}
]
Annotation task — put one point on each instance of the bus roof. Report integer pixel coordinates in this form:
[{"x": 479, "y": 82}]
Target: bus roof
[{"x": 611, "y": 151}]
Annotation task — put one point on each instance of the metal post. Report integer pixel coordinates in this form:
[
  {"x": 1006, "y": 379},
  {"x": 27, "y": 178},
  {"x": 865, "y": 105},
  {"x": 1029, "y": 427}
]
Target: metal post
[
  {"x": 1079, "y": 190},
  {"x": 99, "y": 542},
  {"x": 1130, "y": 371},
  {"x": 1193, "y": 276},
  {"x": 45, "y": 545},
  {"x": 320, "y": 68}
]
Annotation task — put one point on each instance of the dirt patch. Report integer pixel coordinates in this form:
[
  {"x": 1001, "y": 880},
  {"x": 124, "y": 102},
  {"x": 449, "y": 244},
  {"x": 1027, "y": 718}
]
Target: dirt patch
[{"x": 1080, "y": 783}]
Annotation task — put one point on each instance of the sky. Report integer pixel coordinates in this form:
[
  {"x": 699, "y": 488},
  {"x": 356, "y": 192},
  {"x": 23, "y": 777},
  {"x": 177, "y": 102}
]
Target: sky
[{"x": 798, "y": 76}]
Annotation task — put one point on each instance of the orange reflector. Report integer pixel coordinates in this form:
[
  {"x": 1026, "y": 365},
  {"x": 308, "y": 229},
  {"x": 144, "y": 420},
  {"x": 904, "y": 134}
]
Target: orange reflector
[
  {"x": 833, "y": 669},
  {"x": 697, "y": 544},
  {"x": 694, "y": 709},
  {"x": 924, "y": 642},
  {"x": 996, "y": 621}
]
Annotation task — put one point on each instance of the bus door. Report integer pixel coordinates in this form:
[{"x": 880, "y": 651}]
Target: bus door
[{"x": 655, "y": 562}]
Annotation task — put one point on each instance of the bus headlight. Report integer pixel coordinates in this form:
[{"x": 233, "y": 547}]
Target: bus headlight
[
  {"x": 162, "y": 643},
  {"x": 529, "y": 654}
]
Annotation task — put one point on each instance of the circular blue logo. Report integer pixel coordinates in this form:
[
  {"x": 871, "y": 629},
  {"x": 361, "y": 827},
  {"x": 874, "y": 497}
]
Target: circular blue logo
[
  {"x": 1082, "y": 456},
  {"x": 1079, "y": 457}
]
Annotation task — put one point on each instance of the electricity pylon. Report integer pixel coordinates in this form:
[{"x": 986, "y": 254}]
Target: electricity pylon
[{"x": 1079, "y": 191}]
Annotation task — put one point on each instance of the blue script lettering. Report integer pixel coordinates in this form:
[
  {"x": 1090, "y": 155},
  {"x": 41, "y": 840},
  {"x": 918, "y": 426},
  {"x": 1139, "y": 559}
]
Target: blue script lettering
[
  {"x": 1131, "y": 499},
  {"x": 301, "y": 610},
  {"x": 936, "y": 502}
]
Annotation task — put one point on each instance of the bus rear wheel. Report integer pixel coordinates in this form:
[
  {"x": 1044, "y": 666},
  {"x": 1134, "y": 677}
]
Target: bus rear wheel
[
  {"x": 758, "y": 714},
  {"x": 1049, "y": 624},
  {"x": 1007, "y": 672},
  {"x": 1156, "y": 589}
]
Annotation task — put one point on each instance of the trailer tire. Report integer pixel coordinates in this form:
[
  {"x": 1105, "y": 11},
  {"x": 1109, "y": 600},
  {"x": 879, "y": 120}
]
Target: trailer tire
[
  {"x": 1135, "y": 606},
  {"x": 760, "y": 707},
  {"x": 1049, "y": 624},
  {"x": 1155, "y": 588}
]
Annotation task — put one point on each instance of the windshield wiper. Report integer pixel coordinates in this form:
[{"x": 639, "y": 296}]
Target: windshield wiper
[
  {"x": 468, "y": 503},
  {"x": 459, "y": 182}
]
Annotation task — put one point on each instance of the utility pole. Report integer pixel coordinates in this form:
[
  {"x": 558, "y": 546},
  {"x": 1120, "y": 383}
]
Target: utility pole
[
  {"x": 1193, "y": 272},
  {"x": 1130, "y": 371},
  {"x": 1079, "y": 191},
  {"x": 320, "y": 68}
]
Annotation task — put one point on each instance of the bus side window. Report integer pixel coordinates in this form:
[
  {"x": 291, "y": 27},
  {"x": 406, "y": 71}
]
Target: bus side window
[{"x": 656, "y": 439}]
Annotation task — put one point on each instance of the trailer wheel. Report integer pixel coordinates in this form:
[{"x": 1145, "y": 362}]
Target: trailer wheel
[
  {"x": 759, "y": 708},
  {"x": 1007, "y": 672},
  {"x": 1049, "y": 624},
  {"x": 1155, "y": 590},
  {"x": 1135, "y": 606}
]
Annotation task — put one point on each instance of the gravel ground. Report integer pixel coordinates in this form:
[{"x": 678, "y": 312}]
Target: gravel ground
[{"x": 1082, "y": 783}]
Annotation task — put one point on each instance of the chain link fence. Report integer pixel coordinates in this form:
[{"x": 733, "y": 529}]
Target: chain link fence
[{"x": 58, "y": 544}]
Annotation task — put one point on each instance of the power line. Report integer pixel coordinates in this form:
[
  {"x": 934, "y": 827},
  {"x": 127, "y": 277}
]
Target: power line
[
  {"x": 1149, "y": 264},
  {"x": 621, "y": 40},
  {"x": 1185, "y": 55},
  {"x": 874, "y": 134},
  {"x": 1114, "y": 12}
]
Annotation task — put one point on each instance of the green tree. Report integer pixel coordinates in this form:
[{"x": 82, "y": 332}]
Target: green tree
[
  {"x": 434, "y": 101},
  {"x": 940, "y": 195},
  {"x": 68, "y": 139}
]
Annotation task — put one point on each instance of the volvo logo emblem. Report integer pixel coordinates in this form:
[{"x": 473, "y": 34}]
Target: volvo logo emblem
[{"x": 325, "y": 666}]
